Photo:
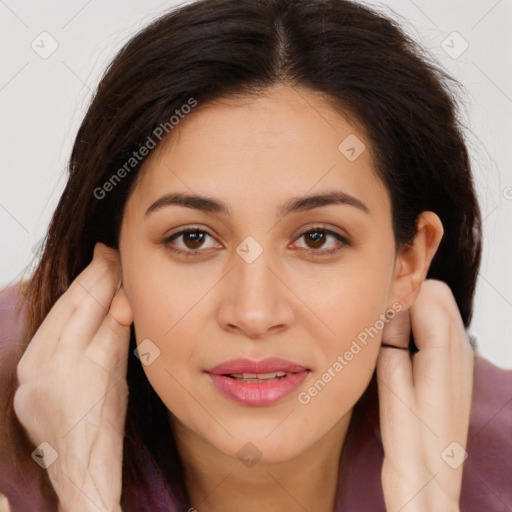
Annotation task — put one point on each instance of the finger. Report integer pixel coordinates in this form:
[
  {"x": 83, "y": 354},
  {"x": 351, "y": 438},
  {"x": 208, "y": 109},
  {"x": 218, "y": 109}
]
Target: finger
[
  {"x": 398, "y": 420},
  {"x": 442, "y": 369},
  {"x": 109, "y": 346},
  {"x": 43, "y": 344},
  {"x": 396, "y": 332},
  {"x": 432, "y": 362},
  {"x": 462, "y": 368},
  {"x": 97, "y": 289}
]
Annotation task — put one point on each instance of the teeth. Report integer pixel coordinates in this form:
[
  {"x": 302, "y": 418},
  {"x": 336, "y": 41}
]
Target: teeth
[{"x": 257, "y": 376}]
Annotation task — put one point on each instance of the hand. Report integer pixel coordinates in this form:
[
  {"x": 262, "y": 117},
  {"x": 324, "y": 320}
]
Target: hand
[
  {"x": 424, "y": 403},
  {"x": 72, "y": 390}
]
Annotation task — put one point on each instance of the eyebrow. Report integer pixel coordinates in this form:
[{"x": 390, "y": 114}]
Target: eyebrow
[{"x": 296, "y": 204}]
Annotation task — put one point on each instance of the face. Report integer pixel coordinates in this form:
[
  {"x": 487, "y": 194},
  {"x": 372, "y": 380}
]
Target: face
[{"x": 263, "y": 270}]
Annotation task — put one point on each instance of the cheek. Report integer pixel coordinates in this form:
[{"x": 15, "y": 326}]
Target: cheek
[
  {"x": 165, "y": 306},
  {"x": 349, "y": 304},
  {"x": 352, "y": 307},
  {"x": 350, "y": 348},
  {"x": 160, "y": 315},
  {"x": 161, "y": 300}
]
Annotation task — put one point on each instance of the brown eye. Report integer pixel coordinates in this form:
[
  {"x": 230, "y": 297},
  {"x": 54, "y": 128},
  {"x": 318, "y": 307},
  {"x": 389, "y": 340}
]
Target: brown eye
[
  {"x": 193, "y": 242},
  {"x": 317, "y": 238},
  {"x": 193, "y": 239},
  {"x": 188, "y": 242}
]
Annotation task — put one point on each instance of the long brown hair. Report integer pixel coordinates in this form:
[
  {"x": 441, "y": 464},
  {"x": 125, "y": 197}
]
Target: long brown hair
[{"x": 359, "y": 59}]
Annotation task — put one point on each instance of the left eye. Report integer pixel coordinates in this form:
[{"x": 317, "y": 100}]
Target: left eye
[
  {"x": 194, "y": 239},
  {"x": 318, "y": 237}
]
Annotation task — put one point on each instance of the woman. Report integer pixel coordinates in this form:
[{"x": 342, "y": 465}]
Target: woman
[{"x": 273, "y": 202}]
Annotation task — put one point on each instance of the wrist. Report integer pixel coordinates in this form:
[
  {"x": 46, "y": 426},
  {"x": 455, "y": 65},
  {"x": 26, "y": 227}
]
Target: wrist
[{"x": 92, "y": 508}]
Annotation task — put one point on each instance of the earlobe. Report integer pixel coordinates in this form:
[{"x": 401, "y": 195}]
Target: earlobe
[
  {"x": 120, "y": 307},
  {"x": 413, "y": 262}
]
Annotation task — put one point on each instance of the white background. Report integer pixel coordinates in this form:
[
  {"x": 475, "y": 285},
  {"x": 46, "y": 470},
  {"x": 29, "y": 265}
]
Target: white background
[{"x": 42, "y": 102}]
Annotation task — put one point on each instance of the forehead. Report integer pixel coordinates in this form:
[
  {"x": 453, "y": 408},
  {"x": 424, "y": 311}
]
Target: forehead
[{"x": 286, "y": 142}]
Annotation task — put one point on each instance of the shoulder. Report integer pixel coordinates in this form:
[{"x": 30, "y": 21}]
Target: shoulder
[
  {"x": 20, "y": 476},
  {"x": 11, "y": 313},
  {"x": 491, "y": 386},
  {"x": 11, "y": 320},
  {"x": 488, "y": 466}
]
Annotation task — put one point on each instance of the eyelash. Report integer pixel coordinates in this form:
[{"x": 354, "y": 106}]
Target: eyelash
[{"x": 343, "y": 242}]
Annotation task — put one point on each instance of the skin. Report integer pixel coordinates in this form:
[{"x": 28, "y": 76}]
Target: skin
[
  {"x": 285, "y": 304},
  {"x": 255, "y": 155}
]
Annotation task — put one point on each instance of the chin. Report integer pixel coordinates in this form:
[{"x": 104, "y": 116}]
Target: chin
[{"x": 253, "y": 449}]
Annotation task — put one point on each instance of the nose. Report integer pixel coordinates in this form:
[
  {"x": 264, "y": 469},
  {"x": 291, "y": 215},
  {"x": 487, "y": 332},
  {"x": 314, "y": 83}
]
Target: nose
[{"x": 256, "y": 300}]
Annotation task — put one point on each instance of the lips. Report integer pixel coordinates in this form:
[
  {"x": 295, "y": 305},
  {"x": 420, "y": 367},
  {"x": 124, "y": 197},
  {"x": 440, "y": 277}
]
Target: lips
[
  {"x": 269, "y": 365},
  {"x": 257, "y": 383}
]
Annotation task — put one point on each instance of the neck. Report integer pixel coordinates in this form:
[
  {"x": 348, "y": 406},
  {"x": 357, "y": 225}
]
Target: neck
[{"x": 216, "y": 481}]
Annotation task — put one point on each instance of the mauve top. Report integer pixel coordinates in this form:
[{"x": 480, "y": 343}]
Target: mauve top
[{"x": 487, "y": 471}]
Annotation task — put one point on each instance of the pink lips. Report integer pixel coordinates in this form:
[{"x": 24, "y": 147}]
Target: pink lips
[{"x": 266, "y": 392}]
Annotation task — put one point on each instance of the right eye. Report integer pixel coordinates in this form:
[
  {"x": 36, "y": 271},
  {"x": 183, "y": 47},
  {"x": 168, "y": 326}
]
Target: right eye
[{"x": 192, "y": 240}]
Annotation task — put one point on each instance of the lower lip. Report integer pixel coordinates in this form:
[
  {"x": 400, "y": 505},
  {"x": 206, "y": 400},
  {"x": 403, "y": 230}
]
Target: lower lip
[{"x": 256, "y": 393}]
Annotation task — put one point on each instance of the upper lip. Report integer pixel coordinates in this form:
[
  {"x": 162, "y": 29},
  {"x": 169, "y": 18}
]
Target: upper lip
[{"x": 269, "y": 365}]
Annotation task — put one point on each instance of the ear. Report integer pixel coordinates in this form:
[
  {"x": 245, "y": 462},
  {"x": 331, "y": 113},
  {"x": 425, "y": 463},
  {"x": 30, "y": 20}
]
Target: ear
[
  {"x": 120, "y": 307},
  {"x": 413, "y": 262}
]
